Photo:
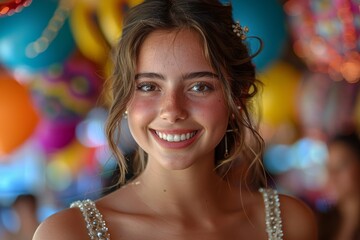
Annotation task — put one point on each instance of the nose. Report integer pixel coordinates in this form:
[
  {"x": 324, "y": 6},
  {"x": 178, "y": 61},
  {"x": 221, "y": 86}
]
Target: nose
[{"x": 173, "y": 107}]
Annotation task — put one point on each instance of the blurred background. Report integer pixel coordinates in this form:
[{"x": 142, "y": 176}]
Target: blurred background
[{"x": 54, "y": 58}]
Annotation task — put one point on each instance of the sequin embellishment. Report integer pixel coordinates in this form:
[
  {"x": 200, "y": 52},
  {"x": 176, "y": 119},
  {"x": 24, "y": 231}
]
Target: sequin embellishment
[
  {"x": 272, "y": 214},
  {"x": 96, "y": 226}
]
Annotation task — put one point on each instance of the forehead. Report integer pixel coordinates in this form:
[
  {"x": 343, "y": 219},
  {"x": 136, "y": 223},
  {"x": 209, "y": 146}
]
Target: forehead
[
  {"x": 173, "y": 47},
  {"x": 174, "y": 38}
]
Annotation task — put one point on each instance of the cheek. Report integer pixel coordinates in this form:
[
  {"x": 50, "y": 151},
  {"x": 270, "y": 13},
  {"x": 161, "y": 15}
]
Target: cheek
[
  {"x": 140, "y": 112},
  {"x": 215, "y": 110},
  {"x": 140, "y": 107}
]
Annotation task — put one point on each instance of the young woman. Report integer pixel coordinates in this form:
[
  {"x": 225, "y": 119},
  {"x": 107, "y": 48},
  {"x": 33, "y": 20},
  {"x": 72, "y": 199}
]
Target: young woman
[{"x": 184, "y": 80}]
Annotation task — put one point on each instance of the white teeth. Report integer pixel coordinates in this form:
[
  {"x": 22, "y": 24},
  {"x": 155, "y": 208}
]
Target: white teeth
[
  {"x": 175, "y": 137},
  {"x": 170, "y": 138},
  {"x": 183, "y": 137}
]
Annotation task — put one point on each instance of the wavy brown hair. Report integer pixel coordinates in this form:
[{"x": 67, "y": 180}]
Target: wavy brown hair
[{"x": 228, "y": 56}]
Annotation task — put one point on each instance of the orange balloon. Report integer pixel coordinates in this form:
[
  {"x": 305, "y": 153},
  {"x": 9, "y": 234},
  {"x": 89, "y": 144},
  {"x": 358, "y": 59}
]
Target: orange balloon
[{"x": 18, "y": 117}]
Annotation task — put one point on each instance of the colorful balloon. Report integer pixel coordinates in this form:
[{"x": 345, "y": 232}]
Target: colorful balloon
[
  {"x": 18, "y": 117},
  {"x": 64, "y": 165},
  {"x": 281, "y": 83},
  {"x": 96, "y": 26},
  {"x": 111, "y": 14},
  {"x": 37, "y": 37},
  {"x": 74, "y": 156},
  {"x": 87, "y": 34},
  {"x": 54, "y": 136},
  {"x": 63, "y": 96}
]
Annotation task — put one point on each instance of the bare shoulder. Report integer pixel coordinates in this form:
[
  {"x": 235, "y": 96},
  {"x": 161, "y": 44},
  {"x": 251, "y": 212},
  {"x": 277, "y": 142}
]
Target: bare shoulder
[
  {"x": 67, "y": 224},
  {"x": 298, "y": 219}
]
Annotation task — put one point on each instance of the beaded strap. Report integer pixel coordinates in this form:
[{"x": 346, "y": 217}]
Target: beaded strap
[
  {"x": 95, "y": 225},
  {"x": 272, "y": 214}
]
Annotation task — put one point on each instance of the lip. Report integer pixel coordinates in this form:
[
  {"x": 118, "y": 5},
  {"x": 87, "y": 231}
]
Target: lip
[{"x": 176, "y": 145}]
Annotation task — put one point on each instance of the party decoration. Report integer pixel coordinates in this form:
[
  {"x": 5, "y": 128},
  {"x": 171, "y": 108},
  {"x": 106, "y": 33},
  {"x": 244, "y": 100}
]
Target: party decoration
[
  {"x": 87, "y": 34},
  {"x": 303, "y": 154},
  {"x": 55, "y": 135},
  {"x": 327, "y": 35},
  {"x": 18, "y": 117},
  {"x": 325, "y": 105},
  {"x": 265, "y": 19},
  {"x": 66, "y": 164},
  {"x": 63, "y": 96},
  {"x": 91, "y": 131},
  {"x": 281, "y": 82},
  {"x": 37, "y": 37},
  {"x": 111, "y": 14},
  {"x": 22, "y": 171},
  {"x": 97, "y": 25},
  {"x": 299, "y": 167},
  {"x": 8, "y": 7}
]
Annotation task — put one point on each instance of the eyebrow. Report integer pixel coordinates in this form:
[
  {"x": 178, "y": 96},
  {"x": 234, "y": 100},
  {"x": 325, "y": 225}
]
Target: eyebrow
[{"x": 187, "y": 76}]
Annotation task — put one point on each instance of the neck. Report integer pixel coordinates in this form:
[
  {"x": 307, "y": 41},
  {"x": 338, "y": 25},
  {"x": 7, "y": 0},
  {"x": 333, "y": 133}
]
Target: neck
[{"x": 195, "y": 191}]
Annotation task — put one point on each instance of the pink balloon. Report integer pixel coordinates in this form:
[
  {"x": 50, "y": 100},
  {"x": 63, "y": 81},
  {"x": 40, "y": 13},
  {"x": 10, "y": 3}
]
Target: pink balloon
[
  {"x": 54, "y": 136},
  {"x": 63, "y": 96}
]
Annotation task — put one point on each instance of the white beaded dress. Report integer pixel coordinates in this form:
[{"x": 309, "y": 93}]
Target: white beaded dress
[{"x": 97, "y": 229}]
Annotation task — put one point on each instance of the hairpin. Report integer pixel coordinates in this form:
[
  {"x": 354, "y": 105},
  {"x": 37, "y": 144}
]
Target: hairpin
[{"x": 239, "y": 30}]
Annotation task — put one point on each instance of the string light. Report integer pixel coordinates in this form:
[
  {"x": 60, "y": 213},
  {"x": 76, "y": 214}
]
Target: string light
[
  {"x": 55, "y": 24},
  {"x": 9, "y": 8}
]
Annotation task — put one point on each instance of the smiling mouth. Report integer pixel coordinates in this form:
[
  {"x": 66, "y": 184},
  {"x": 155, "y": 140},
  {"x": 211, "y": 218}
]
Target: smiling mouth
[{"x": 176, "y": 137}]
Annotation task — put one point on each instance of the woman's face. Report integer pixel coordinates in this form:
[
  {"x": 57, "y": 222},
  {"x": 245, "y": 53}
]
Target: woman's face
[
  {"x": 343, "y": 171},
  {"x": 178, "y": 113}
]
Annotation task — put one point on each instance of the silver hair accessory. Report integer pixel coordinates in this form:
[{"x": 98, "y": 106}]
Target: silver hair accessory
[{"x": 240, "y": 31}]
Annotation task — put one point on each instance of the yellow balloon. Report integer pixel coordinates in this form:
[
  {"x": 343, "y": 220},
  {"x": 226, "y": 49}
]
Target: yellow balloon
[
  {"x": 111, "y": 14},
  {"x": 281, "y": 83},
  {"x": 87, "y": 34}
]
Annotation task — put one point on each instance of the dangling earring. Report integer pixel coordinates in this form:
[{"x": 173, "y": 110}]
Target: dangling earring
[{"x": 226, "y": 154}]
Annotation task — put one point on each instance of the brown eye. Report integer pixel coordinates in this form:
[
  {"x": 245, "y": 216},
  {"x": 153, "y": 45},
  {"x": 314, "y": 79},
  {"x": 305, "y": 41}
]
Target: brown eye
[{"x": 201, "y": 87}]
